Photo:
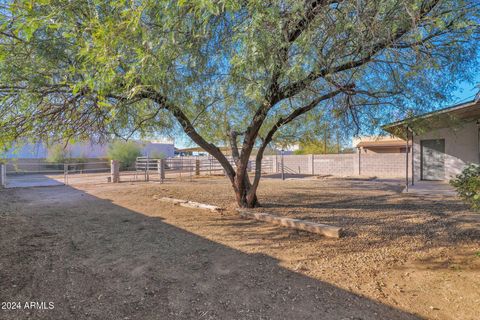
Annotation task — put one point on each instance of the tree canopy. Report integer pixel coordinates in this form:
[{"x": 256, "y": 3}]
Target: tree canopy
[{"x": 225, "y": 71}]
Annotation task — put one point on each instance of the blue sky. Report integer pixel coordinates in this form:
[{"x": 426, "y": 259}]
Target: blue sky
[{"x": 467, "y": 91}]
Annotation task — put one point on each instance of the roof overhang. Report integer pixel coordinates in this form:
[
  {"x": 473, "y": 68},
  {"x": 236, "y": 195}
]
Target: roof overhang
[{"x": 453, "y": 116}]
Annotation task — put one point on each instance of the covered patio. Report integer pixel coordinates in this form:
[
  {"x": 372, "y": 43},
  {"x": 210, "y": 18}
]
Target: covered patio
[
  {"x": 433, "y": 188},
  {"x": 443, "y": 143}
]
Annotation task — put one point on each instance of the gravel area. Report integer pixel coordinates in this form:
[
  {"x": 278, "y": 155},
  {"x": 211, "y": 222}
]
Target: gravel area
[{"x": 114, "y": 252}]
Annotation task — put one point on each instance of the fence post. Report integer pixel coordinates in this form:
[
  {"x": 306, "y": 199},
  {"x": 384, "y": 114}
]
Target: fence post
[
  {"x": 161, "y": 169},
  {"x": 359, "y": 161},
  {"x": 3, "y": 175},
  {"x": 283, "y": 167},
  {"x": 65, "y": 174},
  {"x": 311, "y": 163},
  {"x": 115, "y": 171},
  {"x": 181, "y": 167},
  {"x": 197, "y": 167},
  {"x": 147, "y": 168},
  {"x": 190, "y": 166},
  {"x": 406, "y": 160}
]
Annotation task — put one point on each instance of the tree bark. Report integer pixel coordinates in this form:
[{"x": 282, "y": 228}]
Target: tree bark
[{"x": 245, "y": 193}]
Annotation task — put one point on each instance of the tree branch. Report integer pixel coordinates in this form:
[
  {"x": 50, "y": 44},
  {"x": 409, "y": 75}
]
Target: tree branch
[
  {"x": 296, "y": 87},
  {"x": 189, "y": 129},
  {"x": 312, "y": 9},
  {"x": 281, "y": 122}
]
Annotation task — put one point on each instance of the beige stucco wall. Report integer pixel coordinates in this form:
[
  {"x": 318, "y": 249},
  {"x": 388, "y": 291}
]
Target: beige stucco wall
[
  {"x": 461, "y": 148},
  {"x": 383, "y": 150}
]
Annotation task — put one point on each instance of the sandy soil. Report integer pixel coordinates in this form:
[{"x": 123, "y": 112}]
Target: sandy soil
[{"x": 113, "y": 252}]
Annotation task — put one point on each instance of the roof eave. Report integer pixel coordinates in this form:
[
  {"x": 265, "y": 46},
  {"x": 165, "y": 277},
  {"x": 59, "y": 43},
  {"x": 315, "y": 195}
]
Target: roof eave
[{"x": 399, "y": 128}]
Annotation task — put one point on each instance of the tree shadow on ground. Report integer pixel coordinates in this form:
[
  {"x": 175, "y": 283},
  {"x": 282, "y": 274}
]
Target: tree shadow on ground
[
  {"x": 97, "y": 260},
  {"x": 438, "y": 221},
  {"x": 34, "y": 180},
  {"x": 288, "y": 176},
  {"x": 385, "y": 202}
]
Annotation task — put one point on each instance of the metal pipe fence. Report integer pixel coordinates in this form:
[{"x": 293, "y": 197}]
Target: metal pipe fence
[
  {"x": 148, "y": 169},
  {"x": 30, "y": 174},
  {"x": 86, "y": 172}
]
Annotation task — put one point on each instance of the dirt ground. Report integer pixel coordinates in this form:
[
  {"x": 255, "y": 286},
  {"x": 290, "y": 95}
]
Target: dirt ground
[{"x": 114, "y": 252}]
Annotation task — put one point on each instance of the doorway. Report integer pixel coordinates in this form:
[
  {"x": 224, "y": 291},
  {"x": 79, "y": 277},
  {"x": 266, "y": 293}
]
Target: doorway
[{"x": 432, "y": 159}]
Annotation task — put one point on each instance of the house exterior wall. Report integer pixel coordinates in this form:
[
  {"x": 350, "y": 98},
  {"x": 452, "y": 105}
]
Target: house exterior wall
[
  {"x": 461, "y": 148},
  {"x": 383, "y": 150}
]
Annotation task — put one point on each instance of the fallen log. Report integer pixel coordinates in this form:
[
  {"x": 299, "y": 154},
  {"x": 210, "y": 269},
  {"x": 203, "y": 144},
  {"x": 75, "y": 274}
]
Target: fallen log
[
  {"x": 323, "y": 229},
  {"x": 190, "y": 204},
  {"x": 173, "y": 200}
]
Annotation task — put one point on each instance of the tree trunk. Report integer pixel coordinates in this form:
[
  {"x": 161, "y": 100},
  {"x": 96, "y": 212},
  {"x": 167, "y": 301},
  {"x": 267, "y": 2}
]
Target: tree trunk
[{"x": 245, "y": 193}]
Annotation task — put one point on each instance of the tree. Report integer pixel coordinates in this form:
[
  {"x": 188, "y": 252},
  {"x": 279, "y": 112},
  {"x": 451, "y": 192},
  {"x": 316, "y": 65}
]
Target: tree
[
  {"x": 224, "y": 70},
  {"x": 323, "y": 137},
  {"x": 316, "y": 147}
]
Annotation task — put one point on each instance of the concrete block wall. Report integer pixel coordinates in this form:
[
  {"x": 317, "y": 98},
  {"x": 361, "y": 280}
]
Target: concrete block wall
[
  {"x": 334, "y": 164},
  {"x": 300, "y": 164},
  {"x": 382, "y": 165},
  {"x": 385, "y": 165}
]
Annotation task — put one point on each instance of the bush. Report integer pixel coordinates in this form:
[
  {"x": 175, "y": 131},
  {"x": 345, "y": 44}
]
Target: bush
[
  {"x": 124, "y": 151},
  {"x": 57, "y": 153},
  {"x": 157, "y": 155},
  {"x": 468, "y": 185}
]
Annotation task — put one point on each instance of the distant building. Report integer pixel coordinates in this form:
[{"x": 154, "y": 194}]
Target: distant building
[
  {"x": 380, "y": 144},
  {"x": 86, "y": 150},
  {"x": 199, "y": 151}
]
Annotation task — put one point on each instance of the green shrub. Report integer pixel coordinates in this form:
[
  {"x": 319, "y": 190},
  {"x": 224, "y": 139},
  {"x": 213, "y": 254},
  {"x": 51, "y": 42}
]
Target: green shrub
[
  {"x": 124, "y": 151},
  {"x": 157, "y": 155},
  {"x": 468, "y": 185},
  {"x": 57, "y": 153}
]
